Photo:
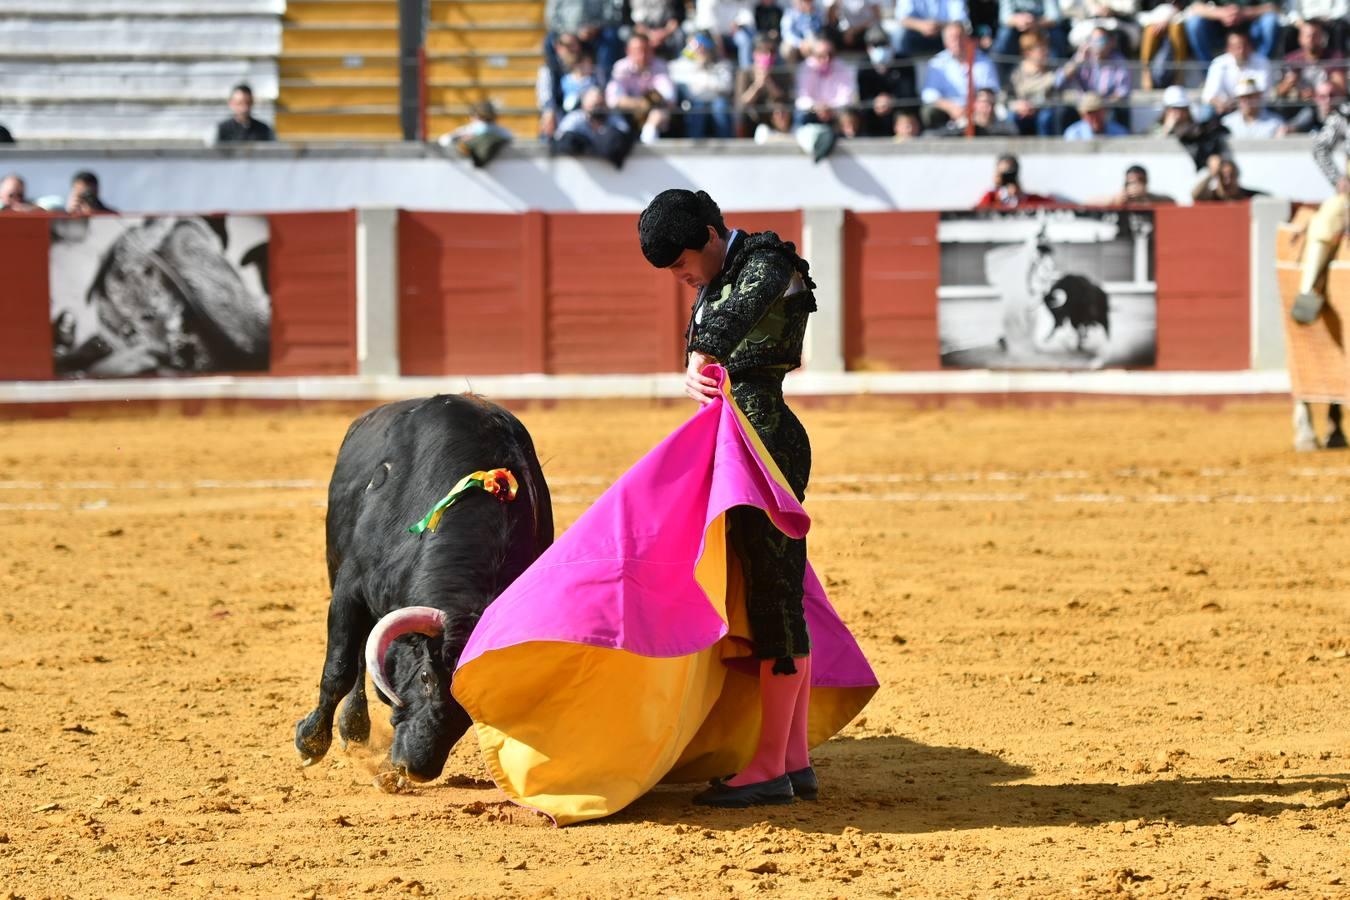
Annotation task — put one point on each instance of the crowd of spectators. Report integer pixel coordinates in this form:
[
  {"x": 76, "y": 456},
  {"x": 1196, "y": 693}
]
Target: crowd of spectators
[
  {"x": 82, "y": 199},
  {"x": 905, "y": 68}
]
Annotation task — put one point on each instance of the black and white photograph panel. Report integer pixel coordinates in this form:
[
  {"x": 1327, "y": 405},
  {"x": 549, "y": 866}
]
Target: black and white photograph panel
[
  {"x": 169, "y": 295},
  {"x": 1047, "y": 289}
]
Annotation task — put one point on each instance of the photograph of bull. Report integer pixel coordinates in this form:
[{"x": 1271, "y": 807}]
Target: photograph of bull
[
  {"x": 162, "y": 295},
  {"x": 1047, "y": 289},
  {"x": 394, "y": 464}
]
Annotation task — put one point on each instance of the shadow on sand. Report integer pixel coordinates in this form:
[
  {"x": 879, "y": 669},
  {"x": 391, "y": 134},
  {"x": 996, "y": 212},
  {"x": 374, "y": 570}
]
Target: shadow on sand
[{"x": 897, "y": 786}]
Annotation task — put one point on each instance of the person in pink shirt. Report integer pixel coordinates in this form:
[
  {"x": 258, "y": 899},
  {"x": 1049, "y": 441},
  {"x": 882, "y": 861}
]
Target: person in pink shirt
[
  {"x": 825, "y": 86},
  {"x": 640, "y": 88}
]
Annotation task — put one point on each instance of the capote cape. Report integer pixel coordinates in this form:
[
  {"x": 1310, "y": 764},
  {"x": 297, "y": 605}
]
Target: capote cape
[{"x": 621, "y": 658}]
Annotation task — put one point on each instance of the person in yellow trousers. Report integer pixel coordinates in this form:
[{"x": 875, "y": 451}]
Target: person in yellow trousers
[
  {"x": 1324, "y": 234},
  {"x": 1330, "y": 223}
]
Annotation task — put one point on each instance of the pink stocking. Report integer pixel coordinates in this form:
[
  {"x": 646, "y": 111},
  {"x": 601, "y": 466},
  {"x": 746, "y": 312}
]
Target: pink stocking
[
  {"x": 778, "y": 704},
  {"x": 798, "y": 749}
]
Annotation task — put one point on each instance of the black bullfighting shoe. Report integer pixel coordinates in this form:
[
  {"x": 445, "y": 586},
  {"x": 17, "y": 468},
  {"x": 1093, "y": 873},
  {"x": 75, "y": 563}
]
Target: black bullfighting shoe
[
  {"x": 1305, "y": 308},
  {"x": 774, "y": 792},
  {"x": 804, "y": 783}
]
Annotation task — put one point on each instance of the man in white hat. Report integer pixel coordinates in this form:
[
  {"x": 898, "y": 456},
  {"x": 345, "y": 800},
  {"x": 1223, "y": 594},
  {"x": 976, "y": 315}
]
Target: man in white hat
[{"x": 1251, "y": 119}]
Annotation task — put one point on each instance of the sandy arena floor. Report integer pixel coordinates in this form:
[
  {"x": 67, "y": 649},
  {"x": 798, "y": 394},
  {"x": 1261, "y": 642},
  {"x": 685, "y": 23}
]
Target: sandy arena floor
[{"x": 1114, "y": 642}]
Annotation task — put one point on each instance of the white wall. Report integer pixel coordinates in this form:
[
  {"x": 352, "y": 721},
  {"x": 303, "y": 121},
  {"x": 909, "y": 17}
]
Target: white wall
[{"x": 864, "y": 176}]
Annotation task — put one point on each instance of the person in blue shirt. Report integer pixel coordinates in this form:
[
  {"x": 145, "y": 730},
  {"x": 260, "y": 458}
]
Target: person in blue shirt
[
  {"x": 944, "y": 85},
  {"x": 1093, "y": 121},
  {"x": 921, "y": 22}
]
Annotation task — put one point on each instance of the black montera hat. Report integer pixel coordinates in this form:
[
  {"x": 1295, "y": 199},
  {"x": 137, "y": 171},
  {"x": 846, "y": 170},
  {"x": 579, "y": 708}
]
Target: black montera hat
[{"x": 675, "y": 221}]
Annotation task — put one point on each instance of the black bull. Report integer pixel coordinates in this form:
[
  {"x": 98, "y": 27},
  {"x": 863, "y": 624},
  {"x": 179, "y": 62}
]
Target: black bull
[
  {"x": 1078, "y": 301},
  {"x": 395, "y": 463}
]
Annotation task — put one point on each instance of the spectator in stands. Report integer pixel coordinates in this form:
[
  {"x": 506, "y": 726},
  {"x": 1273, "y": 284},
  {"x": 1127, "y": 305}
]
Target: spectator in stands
[
  {"x": 921, "y": 23},
  {"x": 13, "y": 193},
  {"x": 5, "y": 136},
  {"x": 661, "y": 22},
  {"x": 1007, "y": 191},
  {"x": 1220, "y": 183},
  {"x": 1310, "y": 65},
  {"x": 778, "y": 128},
  {"x": 589, "y": 25},
  {"x": 1207, "y": 21},
  {"x": 84, "y": 199},
  {"x": 1019, "y": 16},
  {"x": 1332, "y": 15},
  {"x": 883, "y": 86},
  {"x": 640, "y": 88},
  {"x": 763, "y": 85},
  {"x": 768, "y": 16},
  {"x": 481, "y": 139},
  {"x": 1094, "y": 121},
  {"x": 848, "y": 21},
  {"x": 850, "y": 124},
  {"x": 1226, "y": 72},
  {"x": 1099, "y": 68},
  {"x": 704, "y": 82},
  {"x": 1135, "y": 192},
  {"x": 1032, "y": 85},
  {"x": 824, "y": 85},
  {"x": 241, "y": 126},
  {"x": 1311, "y": 118},
  {"x": 984, "y": 119},
  {"x": 732, "y": 25},
  {"x": 803, "y": 25},
  {"x": 1200, "y": 140},
  {"x": 593, "y": 130},
  {"x": 580, "y": 76},
  {"x": 1251, "y": 119},
  {"x": 944, "y": 84},
  {"x": 1086, "y": 16},
  {"x": 907, "y": 127}
]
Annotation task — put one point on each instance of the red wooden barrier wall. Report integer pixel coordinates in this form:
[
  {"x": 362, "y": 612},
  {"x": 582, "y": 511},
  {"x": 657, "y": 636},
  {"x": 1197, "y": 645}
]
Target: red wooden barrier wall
[
  {"x": 25, "y": 327},
  {"x": 557, "y": 293},
  {"x": 313, "y": 280},
  {"x": 312, "y": 261},
  {"x": 891, "y": 276},
  {"x": 1204, "y": 286},
  {"x": 891, "y": 272}
]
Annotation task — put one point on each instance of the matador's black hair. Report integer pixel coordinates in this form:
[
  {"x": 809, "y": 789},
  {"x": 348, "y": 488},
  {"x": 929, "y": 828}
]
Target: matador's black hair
[{"x": 675, "y": 221}]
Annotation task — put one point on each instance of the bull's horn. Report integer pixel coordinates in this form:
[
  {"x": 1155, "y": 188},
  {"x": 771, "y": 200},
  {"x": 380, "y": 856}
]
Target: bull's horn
[{"x": 409, "y": 620}]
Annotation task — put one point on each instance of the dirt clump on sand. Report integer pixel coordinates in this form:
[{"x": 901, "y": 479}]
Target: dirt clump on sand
[{"x": 1114, "y": 643}]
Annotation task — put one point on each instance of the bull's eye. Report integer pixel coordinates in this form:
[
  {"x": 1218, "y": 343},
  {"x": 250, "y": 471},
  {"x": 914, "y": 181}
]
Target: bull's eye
[{"x": 426, "y": 679}]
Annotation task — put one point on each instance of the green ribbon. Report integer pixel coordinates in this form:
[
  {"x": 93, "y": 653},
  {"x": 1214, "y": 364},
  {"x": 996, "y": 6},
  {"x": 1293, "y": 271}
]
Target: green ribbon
[{"x": 487, "y": 481}]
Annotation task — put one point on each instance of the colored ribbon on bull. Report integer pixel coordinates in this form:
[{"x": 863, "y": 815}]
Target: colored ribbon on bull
[{"x": 498, "y": 482}]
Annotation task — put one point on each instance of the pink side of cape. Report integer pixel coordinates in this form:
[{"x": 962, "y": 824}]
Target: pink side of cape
[{"x": 622, "y": 576}]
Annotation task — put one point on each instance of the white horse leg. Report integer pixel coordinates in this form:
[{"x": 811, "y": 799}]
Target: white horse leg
[{"x": 1304, "y": 437}]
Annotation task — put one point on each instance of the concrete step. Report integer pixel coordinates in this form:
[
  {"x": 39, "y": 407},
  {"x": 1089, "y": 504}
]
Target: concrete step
[
  {"x": 487, "y": 12},
  {"x": 377, "y": 125},
  {"x": 485, "y": 38},
  {"x": 326, "y": 12},
  {"x": 442, "y": 12},
  {"x": 346, "y": 38},
  {"x": 380, "y": 67}
]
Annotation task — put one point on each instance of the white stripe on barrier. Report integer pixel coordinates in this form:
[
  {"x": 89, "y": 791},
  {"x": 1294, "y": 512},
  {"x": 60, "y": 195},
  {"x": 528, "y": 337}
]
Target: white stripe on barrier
[{"x": 591, "y": 481}]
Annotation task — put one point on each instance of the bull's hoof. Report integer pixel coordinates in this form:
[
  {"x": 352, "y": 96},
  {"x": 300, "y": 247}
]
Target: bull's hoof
[
  {"x": 312, "y": 739},
  {"x": 1336, "y": 440},
  {"x": 354, "y": 721}
]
